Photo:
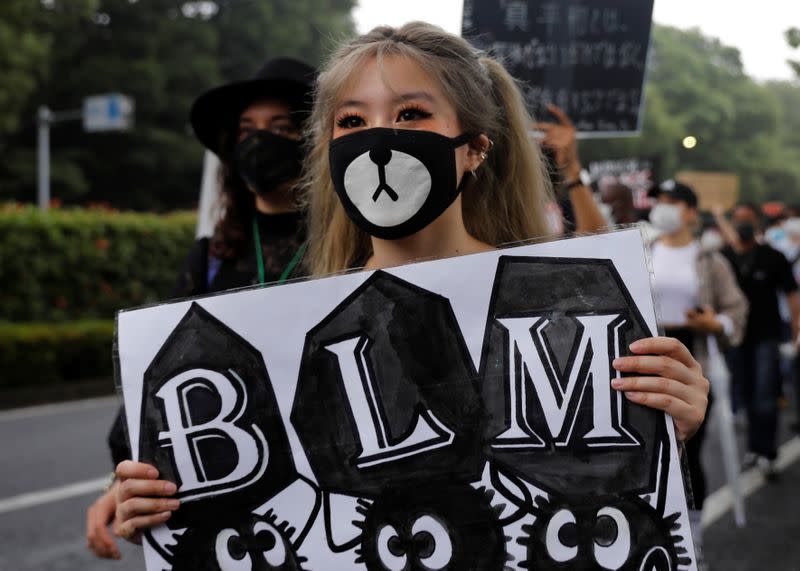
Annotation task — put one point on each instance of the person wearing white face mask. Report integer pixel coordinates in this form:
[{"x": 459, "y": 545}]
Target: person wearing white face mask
[{"x": 698, "y": 297}]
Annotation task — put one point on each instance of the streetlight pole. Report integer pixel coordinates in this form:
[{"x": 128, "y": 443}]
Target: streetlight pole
[
  {"x": 43, "y": 119},
  {"x": 110, "y": 112}
]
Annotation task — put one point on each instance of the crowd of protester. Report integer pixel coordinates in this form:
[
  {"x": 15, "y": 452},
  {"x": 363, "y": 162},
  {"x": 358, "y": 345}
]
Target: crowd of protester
[{"x": 760, "y": 246}]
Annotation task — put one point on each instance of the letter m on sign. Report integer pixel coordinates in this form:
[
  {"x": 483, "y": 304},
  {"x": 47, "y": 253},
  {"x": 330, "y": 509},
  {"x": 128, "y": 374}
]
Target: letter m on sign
[{"x": 550, "y": 404}]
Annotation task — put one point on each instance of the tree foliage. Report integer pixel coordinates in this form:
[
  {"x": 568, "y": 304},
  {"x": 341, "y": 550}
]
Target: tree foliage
[
  {"x": 163, "y": 53},
  {"x": 793, "y": 39},
  {"x": 697, "y": 86},
  {"x": 26, "y": 43}
]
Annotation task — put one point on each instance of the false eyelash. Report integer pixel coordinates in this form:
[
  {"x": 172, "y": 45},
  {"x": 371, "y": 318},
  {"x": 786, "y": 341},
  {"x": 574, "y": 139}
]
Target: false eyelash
[
  {"x": 340, "y": 121},
  {"x": 413, "y": 107}
]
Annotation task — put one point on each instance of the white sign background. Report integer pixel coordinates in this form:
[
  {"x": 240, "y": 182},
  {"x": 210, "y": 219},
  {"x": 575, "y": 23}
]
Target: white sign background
[{"x": 275, "y": 320}]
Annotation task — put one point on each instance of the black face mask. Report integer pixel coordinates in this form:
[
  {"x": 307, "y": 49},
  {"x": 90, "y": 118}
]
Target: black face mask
[
  {"x": 394, "y": 182},
  {"x": 265, "y": 160},
  {"x": 746, "y": 232}
]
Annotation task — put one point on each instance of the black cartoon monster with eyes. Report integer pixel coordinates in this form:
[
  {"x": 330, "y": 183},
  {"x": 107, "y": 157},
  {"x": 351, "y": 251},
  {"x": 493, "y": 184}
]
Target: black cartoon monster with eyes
[
  {"x": 615, "y": 533},
  {"x": 424, "y": 528},
  {"x": 251, "y": 543}
]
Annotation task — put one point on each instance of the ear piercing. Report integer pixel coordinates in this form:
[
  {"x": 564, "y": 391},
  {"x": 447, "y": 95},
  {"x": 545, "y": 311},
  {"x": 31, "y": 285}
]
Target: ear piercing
[{"x": 485, "y": 152}]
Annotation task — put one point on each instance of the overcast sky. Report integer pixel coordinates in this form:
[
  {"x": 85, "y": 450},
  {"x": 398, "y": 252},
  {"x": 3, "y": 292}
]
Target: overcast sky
[{"x": 755, "y": 28}]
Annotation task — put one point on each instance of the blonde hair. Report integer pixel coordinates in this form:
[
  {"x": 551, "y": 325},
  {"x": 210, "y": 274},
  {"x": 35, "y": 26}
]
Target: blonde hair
[{"x": 505, "y": 203}]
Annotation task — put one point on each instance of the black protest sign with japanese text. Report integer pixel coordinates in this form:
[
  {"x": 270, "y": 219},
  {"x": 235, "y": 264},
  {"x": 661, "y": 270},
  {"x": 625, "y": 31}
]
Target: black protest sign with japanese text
[{"x": 586, "y": 56}]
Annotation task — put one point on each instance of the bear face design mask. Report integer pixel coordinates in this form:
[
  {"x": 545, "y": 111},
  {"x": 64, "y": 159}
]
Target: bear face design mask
[{"x": 394, "y": 182}]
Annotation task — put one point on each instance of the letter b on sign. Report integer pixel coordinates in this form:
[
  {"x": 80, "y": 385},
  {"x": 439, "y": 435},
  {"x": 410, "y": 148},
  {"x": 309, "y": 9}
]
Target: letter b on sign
[
  {"x": 210, "y": 421},
  {"x": 202, "y": 446}
]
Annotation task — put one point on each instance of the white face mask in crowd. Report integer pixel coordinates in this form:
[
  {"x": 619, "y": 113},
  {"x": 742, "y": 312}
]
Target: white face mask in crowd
[
  {"x": 666, "y": 217},
  {"x": 711, "y": 241},
  {"x": 608, "y": 215}
]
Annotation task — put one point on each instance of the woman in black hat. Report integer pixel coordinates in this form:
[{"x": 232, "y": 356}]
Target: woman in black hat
[{"x": 254, "y": 127}]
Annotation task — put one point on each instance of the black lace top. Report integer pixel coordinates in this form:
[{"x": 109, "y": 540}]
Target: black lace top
[{"x": 281, "y": 236}]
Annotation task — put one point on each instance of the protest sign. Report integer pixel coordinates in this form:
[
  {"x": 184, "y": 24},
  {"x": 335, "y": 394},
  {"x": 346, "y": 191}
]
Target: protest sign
[
  {"x": 451, "y": 414},
  {"x": 714, "y": 189},
  {"x": 586, "y": 56},
  {"x": 638, "y": 174}
]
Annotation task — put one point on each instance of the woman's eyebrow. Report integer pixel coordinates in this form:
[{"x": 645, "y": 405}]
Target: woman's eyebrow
[
  {"x": 400, "y": 97},
  {"x": 415, "y": 95},
  {"x": 351, "y": 103}
]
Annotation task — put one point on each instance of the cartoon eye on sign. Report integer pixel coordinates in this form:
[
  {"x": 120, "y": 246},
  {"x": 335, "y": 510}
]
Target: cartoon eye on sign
[
  {"x": 387, "y": 392},
  {"x": 210, "y": 421},
  {"x": 429, "y": 544},
  {"x": 602, "y": 532},
  {"x": 251, "y": 544},
  {"x": 554, "y": 328},
  {"x": 432, "y": 527},
  {"x": 611, "y": 537}
]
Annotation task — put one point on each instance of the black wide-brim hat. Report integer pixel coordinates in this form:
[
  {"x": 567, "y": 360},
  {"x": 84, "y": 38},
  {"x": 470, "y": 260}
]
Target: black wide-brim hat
[{"x": 217, "y": 111}]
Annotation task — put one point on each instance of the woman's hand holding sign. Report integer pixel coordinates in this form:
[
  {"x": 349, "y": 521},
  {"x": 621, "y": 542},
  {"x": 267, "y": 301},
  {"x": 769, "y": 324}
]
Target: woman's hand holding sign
[
  {"x": 142, "y": 500},
  {"x": 674, "y": 382}
]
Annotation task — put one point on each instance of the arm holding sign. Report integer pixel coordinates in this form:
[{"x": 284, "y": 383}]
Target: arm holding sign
[
  {"x": 561, "y": 138},
  {"x": 98, "y": 517},
  {"x": 143, "y": 501},
  {"x": 671, "y": 380}
]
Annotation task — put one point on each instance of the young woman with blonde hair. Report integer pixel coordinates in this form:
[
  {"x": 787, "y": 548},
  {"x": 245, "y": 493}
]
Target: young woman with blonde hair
[
  {"x": 420, "y": 149},
  {"x": 453, "y": 91}
]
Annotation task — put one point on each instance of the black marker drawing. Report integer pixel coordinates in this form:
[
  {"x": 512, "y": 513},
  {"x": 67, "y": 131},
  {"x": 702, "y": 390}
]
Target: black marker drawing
[
  {"x": 387, "y": 392},
  {"x": 418, "y": 460},
  {"x": 210, "y": 422},
  {"x": 554, "y": 327},
  {"x": 232, "y": 543},
  {"x": 444, "y": 527},
  {"x": 267, "y": 537},
  {"x": 621, "y": 533}
]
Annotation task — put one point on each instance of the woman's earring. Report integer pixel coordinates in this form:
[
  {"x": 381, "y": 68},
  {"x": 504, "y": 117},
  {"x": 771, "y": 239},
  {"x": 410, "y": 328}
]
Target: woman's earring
[
  {"x": 473, "y": 173},
  {"x": 485, "y": 152}
]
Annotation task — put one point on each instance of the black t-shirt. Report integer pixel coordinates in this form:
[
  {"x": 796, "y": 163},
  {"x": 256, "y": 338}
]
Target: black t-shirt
[
  {"x": 281, "y": 236},
  {"x": 762, "y": 273}
]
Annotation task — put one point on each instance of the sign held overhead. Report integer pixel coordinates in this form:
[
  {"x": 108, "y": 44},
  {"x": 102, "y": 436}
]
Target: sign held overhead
[{"x": 587, "y": 57}]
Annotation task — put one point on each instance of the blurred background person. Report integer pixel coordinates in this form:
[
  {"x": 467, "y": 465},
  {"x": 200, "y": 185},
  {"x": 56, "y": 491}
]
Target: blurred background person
[
  {"x": 576, "y": 208},
  {"x": 254, "y": 127},
  {"x": 792, "y": 228},
  {"x": 762, "y": 273},
  {"x": 698, "y": 296},
  {"x": 620, "y": 200}
]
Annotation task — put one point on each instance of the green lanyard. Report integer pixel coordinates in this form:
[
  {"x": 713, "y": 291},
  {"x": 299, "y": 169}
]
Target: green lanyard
[{"x": 260, "y": 257}]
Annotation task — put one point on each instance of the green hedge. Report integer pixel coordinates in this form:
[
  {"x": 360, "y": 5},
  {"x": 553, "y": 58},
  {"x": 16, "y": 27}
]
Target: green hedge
[
  {"x": 68, "y": 264},
  {"x": 37, "y": 353}
]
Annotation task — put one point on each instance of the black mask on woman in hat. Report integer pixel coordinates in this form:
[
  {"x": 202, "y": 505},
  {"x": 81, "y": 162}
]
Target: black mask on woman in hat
[
  {"x": 394, "y": 182},
  {"x": 265, "y": 160}
]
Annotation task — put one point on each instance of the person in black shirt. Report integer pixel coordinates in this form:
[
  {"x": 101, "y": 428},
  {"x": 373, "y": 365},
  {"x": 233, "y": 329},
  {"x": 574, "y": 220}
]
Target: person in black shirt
[
  {"x": 254, "y": 127},
  {"x": 761, "y": 272}
]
